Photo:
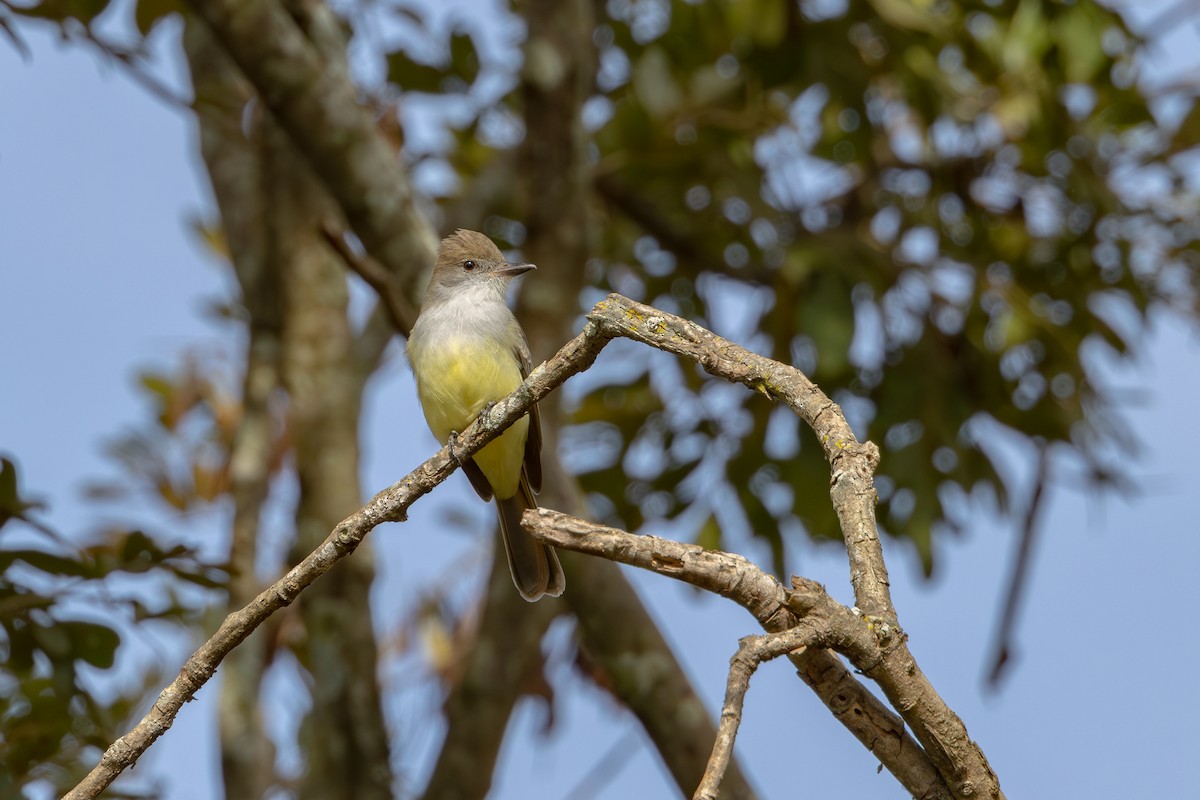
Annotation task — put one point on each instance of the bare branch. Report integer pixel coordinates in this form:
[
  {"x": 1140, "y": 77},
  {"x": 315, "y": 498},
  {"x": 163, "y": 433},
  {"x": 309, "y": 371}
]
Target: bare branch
[
  {"x": 777, "y": 610},
  {"x": 752, "y": 651},
  {"x": 853, "y": 463},
  {"x": 620, "y": 637},
  {"x": 391, "y": 295},
  {"x": 14, "y": 38},
  {"x": 133, "y": 60},
  {"x": 868, "y": 642},
  {"x": 390, "y": 505},
  {"x": 315, "y": 102},
  {"x": 878, "y": 648},
  {"x": 939, "y": 730}
]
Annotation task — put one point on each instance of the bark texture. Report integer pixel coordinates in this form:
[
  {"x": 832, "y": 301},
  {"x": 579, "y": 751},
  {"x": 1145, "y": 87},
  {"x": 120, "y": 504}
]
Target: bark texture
[
  {"x": 293, "y": 290},
  {"x": 344, "y": 734}
]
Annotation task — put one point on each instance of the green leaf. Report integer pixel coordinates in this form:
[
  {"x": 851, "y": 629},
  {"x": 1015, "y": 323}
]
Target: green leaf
[
  {"x": 413, "y": 76},
  {"x": 655, "y": 86},
  {"x": 62, "y": 10},
  {"x": 150, "y": 12},
  {"x": 709, "y": 535},
  {"x": 455, "y": 77},
  {"x": 93, "y": 643},
  {"x": 12, "y": 505},
  {"x": 1078, "y": 31},
  {"x": 464, "y": 60},
  {"x": 49, "y": 563}
]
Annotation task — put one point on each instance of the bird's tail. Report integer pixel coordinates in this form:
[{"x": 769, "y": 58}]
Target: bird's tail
[{"x": 534, "y": 565}]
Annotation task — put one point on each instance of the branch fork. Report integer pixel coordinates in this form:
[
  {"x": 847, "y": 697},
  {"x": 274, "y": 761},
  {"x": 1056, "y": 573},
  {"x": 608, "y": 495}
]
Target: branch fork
[{"x": 803, "y": 623}]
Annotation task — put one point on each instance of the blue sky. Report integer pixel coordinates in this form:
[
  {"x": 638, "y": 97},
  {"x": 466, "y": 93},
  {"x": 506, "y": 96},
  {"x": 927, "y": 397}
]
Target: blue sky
[{"x": 102, "y": 276}]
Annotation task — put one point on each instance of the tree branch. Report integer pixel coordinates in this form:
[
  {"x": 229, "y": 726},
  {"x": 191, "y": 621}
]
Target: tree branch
[
  {"x": 939, "y": 730},
  {"x": 752, "y": 651},
  {"x": 853, "y": 463},
  {"x": 233, "y": 156},
  {"x": 315, "y": 102},
  {"x": 622, "y": 640},
  {"x": 399, "y": 310},
  {"x": 877, "y": 648},
  {"x": 390, "y": 505},
  {"x": 740, "y": 580}
]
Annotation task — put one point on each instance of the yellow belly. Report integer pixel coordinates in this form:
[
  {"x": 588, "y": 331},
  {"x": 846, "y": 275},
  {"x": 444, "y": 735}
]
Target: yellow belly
[{"x": 455, "y": 380}]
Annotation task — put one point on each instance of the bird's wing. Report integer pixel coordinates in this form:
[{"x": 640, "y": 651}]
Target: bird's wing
[{"x": 533, "y": 442}]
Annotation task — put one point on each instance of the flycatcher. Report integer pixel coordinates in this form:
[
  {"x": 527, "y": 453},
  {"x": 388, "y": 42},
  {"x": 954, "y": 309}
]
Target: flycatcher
[{"x": 467, "y": 351}]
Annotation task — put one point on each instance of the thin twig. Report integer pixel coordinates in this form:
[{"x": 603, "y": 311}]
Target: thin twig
[
  {"x": 752, "y": 651},
  {"x": 17, "y": 42},
  {"x": 1019, "y": 578},
  {"x": 399, "y": 311},
  {"x": 131, "y": 60},
  {"x": 607, "y": 767}
]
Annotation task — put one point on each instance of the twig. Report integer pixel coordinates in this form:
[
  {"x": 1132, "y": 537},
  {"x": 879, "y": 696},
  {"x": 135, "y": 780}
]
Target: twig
[
  {"x": 752, "y": 651},
  {"x": 627, "y": 654},
  {"x": 17, "y": 42},
  {"x": 1019, "y": 577},
  {"x": 606, "y": 768},
  {"x": 131, "y": 60},
  {"x": 399, "y": 311}
]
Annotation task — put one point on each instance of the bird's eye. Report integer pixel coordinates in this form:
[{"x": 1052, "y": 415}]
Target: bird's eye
[{"x": 468, "y": 265}]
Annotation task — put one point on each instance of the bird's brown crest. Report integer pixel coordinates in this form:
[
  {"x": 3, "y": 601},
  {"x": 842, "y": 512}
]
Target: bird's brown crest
[{"x": 464, "y": 244}]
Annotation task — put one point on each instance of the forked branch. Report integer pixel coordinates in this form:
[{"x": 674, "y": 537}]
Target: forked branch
[
  {"x": 949, "y": 765},
  {"x": 752, "y": 651}
]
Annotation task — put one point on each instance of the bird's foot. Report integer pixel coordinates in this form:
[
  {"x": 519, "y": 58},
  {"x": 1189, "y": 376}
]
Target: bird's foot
[{"x": 452, "y": 443}]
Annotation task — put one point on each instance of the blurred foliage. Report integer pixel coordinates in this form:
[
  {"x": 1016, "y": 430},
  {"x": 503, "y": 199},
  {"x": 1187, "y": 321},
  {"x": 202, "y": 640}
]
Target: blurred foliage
[
  {"x": 455, "y": 74},
  {"x": 944, "y": 213},
  {"x": 59, "y": 634},
  {"x": 180, "y": 456}
]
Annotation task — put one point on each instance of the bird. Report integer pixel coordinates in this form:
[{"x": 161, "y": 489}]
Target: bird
[{"x": 467, "y": 351}]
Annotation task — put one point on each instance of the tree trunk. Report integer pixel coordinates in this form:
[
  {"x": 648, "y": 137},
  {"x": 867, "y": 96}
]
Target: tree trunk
[{"x": 234, "y": 163}]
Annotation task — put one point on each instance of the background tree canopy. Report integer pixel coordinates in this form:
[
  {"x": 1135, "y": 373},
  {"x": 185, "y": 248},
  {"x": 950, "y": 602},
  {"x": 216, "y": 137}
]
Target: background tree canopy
[
  {"x": 953, "y": 216},
  {"x": 934, "y": 211}
]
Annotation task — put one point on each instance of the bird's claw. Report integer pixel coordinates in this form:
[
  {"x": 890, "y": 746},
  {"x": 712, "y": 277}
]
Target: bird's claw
[{"x": 452, "y": 443}]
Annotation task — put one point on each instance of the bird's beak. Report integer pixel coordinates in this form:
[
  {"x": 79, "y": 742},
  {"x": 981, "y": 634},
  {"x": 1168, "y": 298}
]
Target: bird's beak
[{"x": 513, "y": 270}]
